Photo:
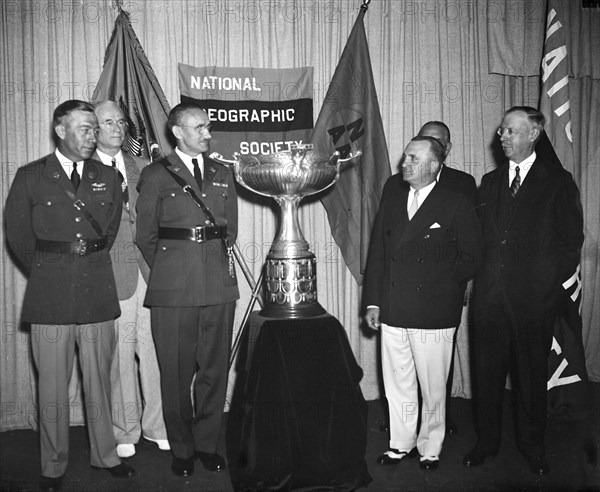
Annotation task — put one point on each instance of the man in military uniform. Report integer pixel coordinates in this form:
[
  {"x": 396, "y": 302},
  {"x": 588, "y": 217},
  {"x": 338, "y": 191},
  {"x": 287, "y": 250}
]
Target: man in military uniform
[
  {"x": 187, "y": 221},
  {"x": 62, "y": 214}
]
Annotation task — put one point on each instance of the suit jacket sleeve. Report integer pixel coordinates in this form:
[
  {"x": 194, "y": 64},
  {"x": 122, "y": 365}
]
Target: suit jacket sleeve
[
  {"x": 232, "y": 208},
  {"x": 18, "y": 221},
  {"x": 469, "y": 241},
  {"x": 147, "y": 206}
]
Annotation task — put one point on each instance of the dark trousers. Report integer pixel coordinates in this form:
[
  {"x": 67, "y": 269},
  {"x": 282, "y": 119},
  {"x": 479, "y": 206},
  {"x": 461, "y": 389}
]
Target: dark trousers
[
  {"x": 193, "y": 344},
  {"x": 506, "y": 342}
]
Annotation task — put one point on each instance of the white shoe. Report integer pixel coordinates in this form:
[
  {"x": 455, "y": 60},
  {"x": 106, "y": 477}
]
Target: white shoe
[
  {"x": 125, "y": 450},
  {"x": 163, "y": 444}
]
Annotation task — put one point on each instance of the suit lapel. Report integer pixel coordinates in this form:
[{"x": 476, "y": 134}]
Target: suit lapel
[{"x": 425, "y": 216}]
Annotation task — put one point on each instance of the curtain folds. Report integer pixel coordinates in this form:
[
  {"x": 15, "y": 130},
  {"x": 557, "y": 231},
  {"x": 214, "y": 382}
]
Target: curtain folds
[{"x": 430, "y": 62}]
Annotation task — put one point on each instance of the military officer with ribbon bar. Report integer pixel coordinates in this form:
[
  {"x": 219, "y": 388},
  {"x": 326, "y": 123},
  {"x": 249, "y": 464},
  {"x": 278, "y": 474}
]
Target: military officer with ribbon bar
[{"x": 187, "y": 223}]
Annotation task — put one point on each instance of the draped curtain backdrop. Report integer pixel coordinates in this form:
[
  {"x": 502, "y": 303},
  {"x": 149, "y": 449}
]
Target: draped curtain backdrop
[{"x": 460, "y": 62}]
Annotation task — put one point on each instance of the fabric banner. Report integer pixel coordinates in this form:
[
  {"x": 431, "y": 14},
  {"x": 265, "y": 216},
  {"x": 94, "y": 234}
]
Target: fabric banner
[
  {"x": 252, "y": 110},
  {"x": 567, "y": 376},
  {"x": 350, "y": 121},
  {"x": 128, "y": 79}
]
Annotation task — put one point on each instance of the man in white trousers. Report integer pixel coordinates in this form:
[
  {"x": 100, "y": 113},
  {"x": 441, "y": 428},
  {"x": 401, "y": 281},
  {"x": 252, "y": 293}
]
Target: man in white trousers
[{"x": 425, "y": 246}]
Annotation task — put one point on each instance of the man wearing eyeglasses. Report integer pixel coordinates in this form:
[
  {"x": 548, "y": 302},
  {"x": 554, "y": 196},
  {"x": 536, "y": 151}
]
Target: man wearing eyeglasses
[
  {"x": 131, "y": 417},
  {"x": 62, "y": 214},
  {"x": 187, "y": 224},
  {"x": 533, "y": 233}
]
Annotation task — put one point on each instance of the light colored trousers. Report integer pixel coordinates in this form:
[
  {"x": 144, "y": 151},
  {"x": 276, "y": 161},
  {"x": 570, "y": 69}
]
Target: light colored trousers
[
  {"x": 412, "y": 357},
  {"x": 136, "y": 411}
]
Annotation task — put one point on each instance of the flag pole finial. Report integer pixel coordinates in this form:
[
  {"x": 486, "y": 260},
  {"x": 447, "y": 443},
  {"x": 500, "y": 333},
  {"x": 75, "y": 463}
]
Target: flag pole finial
[{"x": 365, "y": 5}]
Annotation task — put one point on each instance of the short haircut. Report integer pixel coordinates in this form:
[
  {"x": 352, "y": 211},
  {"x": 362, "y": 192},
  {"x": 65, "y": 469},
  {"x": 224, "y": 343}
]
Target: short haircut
[
  {"x": 64, "y": 109},
  {"x": 534, "y": 115},
  {"x": 176, "y": 113},
  {"x": 436, "y": 147},
  {"x": 436, "y": 123}
]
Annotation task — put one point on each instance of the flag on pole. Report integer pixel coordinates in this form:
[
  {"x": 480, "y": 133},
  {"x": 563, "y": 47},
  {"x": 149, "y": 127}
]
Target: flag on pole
[
  {"x": 128, "y": 79},
  {"x": 567, "y": 375},
  {"x": 554, "y": 97},
  {"x": 349, "y": 121}
]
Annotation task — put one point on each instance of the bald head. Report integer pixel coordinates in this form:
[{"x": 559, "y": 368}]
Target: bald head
[{"x": 438, "y": 130}]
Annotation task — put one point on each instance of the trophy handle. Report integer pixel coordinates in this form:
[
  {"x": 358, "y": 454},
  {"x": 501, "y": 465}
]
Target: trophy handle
[
  {"x": 351, "y": 155},
  {"x": 215, "y": 156}
]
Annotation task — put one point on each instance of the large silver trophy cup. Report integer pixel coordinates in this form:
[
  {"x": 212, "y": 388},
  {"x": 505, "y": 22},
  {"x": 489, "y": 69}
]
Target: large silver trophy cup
[{"x": 288, "y": 176}]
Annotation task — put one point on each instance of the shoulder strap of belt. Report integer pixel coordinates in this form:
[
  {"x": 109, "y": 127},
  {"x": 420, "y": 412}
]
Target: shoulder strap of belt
[
  {"x": 79, "y": 205},
  {"x": 190, "y": 191}
]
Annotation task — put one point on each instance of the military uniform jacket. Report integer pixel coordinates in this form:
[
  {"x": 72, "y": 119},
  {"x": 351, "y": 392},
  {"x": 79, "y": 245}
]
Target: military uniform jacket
[
  {"x": 185, "y": 272},
  {"x": 417, "y": 270},
  {"x": 64, "y": 288},
  {"x": 532, "y": 242},
  {"x": 126, "y": 257}
]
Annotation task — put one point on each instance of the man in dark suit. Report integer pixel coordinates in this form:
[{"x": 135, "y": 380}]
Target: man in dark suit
[
  {"x": 464, "y": 184},
  {"x": 425, "y": 245},
  {"x": 131, "y": 417},
  {"x": 62, "y": 214},
  {"x": 533, "y": 233},
  {"x": 193, "y": 287}
]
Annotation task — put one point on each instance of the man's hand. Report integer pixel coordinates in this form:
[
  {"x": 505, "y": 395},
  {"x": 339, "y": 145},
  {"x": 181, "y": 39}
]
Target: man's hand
[{"x": 372, "y": 318}]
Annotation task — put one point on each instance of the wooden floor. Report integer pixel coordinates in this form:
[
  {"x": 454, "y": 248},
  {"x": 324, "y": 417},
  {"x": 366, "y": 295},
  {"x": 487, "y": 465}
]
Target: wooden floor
[{"x": 572, "y": 454}]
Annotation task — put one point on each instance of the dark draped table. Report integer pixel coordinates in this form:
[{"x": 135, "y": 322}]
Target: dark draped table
[{"x": 297, "y": 417}]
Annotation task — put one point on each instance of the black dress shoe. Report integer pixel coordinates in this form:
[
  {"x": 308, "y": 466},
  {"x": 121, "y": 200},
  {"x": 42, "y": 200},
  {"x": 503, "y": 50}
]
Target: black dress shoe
[
  {"x": 477, "y": 457},
  {"x": 538, "y": 466},
  {"x": 183, "y": 467},
  {"x": 386, "y": 459},
  {"x": 50, "y": 484},
  {"x": 211, "y": 461},
  {"x": 122, "y": 470},
  {"x": 429, "y": 464}
]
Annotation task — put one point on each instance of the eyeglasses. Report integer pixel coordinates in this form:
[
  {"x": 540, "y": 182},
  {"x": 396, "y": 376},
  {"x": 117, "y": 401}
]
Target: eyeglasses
[
  {"x": 110, "y": 124},
  {"x": 200, "y": 128},
  {"x": 509, "y": 131}
]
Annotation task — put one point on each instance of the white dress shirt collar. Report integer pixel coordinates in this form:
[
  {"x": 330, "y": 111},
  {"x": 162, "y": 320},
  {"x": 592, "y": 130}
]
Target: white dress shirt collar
[
  {"x": 187, "y": 160},
  {"x": 423, "y": 194},
  {"x": 67, "y": 163},
  {"x": 524, "y": 167}
]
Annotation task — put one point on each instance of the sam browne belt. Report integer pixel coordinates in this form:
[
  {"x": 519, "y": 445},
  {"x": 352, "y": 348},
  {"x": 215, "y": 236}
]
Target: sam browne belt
[
  {"x": 198, "y": 234},
  {"x": 83, "y": 247}
]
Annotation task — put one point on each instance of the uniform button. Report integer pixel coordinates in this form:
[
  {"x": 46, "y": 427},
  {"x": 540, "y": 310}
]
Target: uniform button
[
  {"x": 207, "y": 222},
  {"x": 79, "y": 235},
  {"x": 203, "y": 195},
  {"x": 172, "y": 194},
  {"x": 48, "y": 203},
  {"x": 102, "y": 203},
  {"x": 427, "y": 236},
  {"x": 503, "y": 241},
  {"x": 77, "y": 219},
  {"x": 420, "y": 260},
  {"x": 164, "y": 248}
]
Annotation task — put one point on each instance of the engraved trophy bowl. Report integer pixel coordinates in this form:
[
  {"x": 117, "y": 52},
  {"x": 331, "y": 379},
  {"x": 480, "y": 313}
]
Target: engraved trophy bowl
[{"x": 288, "y": 176}]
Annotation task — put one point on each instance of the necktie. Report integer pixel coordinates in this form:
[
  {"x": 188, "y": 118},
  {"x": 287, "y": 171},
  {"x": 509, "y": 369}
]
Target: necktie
[
  {"x": 75, "y": 179},
  {"x": 414, "y": 206},
  {"x": 124, "y": 190},
  {"x": 197, "y": 172},
  {"x": 516, "y": 183}
]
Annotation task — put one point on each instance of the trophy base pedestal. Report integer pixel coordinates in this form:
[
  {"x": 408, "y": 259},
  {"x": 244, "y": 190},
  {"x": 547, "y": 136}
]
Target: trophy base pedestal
[{"x": 292, "y": 288}]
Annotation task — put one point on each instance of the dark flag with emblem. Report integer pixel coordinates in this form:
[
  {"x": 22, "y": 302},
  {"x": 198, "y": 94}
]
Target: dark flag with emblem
[
  {"x": 350, "y": 121},
  {"x": 128, "y": 79},
  {"x": 568, "y": 390}
]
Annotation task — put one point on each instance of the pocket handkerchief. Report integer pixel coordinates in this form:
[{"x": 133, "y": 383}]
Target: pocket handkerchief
[{"x": 435, "y": 225}]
